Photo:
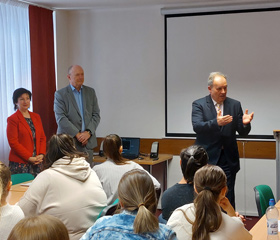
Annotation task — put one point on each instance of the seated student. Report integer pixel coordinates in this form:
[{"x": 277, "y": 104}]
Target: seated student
[
  {"x": 137, "y": 220},
  {"x": 192, "y": 158},
  {"x": 9, "y": 214},
  {"x": 68, "y": 189},
  {"x": 42, "y": 227},
  {"x": 111, "y": 171},
  {"x": 204, "y": 219}
]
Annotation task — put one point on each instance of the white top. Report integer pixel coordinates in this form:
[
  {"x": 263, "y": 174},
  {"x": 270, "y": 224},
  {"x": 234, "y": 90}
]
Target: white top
[
  {"x": 10, "y": 215},
  {"x": 110, "y": 175},
  {"x": 71, "y": 192},
  {"x": 231, "y": 228}
]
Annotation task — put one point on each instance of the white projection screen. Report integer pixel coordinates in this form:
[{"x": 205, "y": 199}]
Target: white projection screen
[{"x": 244, "y": 45}]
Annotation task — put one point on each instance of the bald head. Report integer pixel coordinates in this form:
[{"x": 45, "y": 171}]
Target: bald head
[{"x": 76, "y": 76}]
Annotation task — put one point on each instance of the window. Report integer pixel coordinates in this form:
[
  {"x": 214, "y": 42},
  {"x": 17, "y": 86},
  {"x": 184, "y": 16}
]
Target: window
[{"x": 15, "y": 62}]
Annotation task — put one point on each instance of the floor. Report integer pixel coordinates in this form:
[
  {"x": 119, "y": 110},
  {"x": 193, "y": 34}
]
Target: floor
[{"x": 250, "y": 222}]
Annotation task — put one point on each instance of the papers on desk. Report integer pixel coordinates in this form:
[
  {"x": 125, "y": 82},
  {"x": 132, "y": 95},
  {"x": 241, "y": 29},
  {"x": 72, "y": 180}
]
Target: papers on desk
[{"x": 26, "y": 184}]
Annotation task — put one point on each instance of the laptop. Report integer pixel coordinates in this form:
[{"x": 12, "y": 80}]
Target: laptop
[{"x": 131, "y": 147}]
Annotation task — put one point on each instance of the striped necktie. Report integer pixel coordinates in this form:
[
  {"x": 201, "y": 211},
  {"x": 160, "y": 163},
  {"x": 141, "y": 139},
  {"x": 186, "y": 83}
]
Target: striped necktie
[{"x": 218, "y": 107}]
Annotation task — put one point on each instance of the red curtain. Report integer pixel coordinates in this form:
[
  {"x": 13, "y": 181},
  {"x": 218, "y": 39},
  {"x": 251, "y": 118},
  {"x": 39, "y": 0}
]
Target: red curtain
[{"x": 43, "y": 66}]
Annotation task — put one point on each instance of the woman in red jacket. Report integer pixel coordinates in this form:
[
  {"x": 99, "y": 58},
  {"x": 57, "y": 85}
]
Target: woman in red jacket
[{"x": 25, "y": 135}]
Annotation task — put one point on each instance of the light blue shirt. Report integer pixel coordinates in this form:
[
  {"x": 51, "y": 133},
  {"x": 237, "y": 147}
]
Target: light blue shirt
[
  {"x": 120, "y": 226},
  {"x": 79, "y": 99}
]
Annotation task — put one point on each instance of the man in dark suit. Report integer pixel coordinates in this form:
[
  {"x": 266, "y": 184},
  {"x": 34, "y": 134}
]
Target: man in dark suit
[
  {"x": 216, "y": 119},
  {"x": 77, "y": 112}
]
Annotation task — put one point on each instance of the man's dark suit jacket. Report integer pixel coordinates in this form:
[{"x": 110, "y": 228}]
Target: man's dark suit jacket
[{"x": 215, "y": 138}]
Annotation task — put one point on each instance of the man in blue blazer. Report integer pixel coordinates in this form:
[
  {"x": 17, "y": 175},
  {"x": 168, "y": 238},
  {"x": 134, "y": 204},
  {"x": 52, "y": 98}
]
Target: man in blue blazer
[
  {"x": 216, "y": 119},
  {"x": 77, "y": 112}
]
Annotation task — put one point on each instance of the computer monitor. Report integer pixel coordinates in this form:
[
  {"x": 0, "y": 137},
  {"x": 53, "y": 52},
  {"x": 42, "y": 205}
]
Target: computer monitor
[{"x": 131, "y": 147}]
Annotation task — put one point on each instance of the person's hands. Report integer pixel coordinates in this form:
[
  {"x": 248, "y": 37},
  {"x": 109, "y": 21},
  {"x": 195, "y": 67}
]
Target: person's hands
[
  {"x": 83, "y": 137},
  {"x": 85, "y": 143},
  {"x": 35, "y": 160},
  {"x": 241, "y": 217},
  {"x": 40, "y": 157},
  {"x": 247, "y": 118},
  {"x": 223, "y": 120},
  {"x": 227, "y": 207}
]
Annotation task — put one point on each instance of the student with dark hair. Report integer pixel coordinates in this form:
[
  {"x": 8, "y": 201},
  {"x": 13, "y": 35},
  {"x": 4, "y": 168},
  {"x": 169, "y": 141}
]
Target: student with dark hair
[
  {"x": 111, "y": 171},
  {"x": 137, "y": 220},
  {"x": 192, "y": 158},
  {"x": 42, "y": 227},
  {"x": 9, "y": 214},
  {"x": 68, "y": 189},
  {"x": 203, "y": 219},
  {"x": 26, "y": 136}
]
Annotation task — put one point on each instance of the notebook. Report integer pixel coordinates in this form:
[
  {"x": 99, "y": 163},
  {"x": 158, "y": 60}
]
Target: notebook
[{"x": 130, "y": 147}]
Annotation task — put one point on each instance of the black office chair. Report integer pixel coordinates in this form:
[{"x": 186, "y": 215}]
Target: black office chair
[
  {"x": 158, "y": 192},
  {"x": 262, "y": 194}
]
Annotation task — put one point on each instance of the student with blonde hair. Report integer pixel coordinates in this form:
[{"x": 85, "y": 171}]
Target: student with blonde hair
[
  {"x": 9, "y": 214},
  {"x": 42, "y": 227},
  {"x": 203, "y": 219},
  {"x": 137, "y": 220},
  {"x": 111, "y": 171}
]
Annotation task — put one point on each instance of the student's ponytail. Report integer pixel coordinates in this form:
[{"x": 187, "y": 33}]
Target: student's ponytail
[
  {"x": 137, "y": 193},
  {"x": 209, "y": 182},
  {"x": 145, "y": 220},
  {"x": 111, "y": 148}
]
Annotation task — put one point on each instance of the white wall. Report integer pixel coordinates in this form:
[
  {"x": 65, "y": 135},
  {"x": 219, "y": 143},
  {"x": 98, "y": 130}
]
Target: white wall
[
  {"x": 253, "y": 172},
  {"x": 122, "y": 52},
  {"x": 61, "y": 31}
]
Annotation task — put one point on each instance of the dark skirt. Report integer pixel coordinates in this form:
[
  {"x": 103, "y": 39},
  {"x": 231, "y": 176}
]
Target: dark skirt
[{"x": 16, "y": 167}]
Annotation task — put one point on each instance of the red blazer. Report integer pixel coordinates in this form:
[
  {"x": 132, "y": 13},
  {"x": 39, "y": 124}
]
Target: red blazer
[{"x": 20, "y": 137}]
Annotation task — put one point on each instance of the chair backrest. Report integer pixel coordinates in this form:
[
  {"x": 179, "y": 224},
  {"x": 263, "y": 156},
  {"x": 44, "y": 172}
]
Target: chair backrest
[
  {"x": 21, "y": 177},
  {"x": 262, "y": 194},
  {"x": 109, "y": 210}
]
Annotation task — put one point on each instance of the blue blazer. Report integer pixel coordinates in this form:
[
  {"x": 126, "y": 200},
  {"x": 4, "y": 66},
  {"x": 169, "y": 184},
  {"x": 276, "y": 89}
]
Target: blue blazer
[
  {"x": 215, "y": 138},
  {"x": 68, "y": 116}
]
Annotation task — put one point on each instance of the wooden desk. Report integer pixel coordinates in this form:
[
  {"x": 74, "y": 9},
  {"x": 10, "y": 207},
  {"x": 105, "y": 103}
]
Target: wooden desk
[
  {"x": 259, "y": 231},
  {"x": 16, "y": 192},
  {"x": 149, "y": 163}
]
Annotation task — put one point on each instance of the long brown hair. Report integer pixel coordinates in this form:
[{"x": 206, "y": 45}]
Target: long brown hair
[
  {"x": 209, "y": 182},
  {"x": 137, "y": 193},
  {"x": 59, "y": 146},
  {"x": 111, "y": 148},
  {"x": 43, "y": 227}
]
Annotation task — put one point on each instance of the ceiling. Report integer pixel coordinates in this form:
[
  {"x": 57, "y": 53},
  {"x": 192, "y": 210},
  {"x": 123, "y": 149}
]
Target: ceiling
[{"x": 96, "y": 4}]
